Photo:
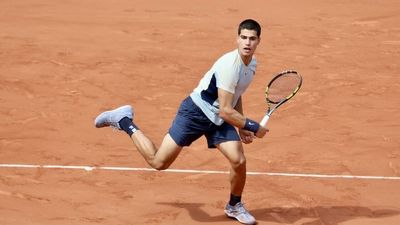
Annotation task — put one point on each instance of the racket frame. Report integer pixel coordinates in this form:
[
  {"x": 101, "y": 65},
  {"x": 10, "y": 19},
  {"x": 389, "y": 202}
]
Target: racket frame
[{"x": 270, "y": 110}]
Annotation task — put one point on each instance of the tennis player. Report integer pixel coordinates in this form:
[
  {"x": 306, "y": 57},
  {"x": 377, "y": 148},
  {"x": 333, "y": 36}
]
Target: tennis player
[{"x": 213, "y": 109}]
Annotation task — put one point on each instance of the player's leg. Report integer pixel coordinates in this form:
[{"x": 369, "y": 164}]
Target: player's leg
[
  {"x": 233, "y": 151},
  {"x": 121, "y": 118},
  {"x": 188, "y": 126},
  {"x": 227, "y": 140},
  {"x": 160, "y": 158}
]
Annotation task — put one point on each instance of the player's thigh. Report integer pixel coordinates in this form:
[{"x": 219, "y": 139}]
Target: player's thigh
[
  {"x": 167, "y": 152},
  {"x": 233, "y": 151}
]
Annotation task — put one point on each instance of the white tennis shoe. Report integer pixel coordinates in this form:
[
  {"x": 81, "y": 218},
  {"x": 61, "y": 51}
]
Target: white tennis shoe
[
  {"x": 240, "y": 213},
  {"x": 112, "y": 117}
]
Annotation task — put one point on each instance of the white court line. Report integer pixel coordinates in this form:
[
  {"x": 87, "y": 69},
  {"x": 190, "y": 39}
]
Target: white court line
[{"x": 90, "y": 168}]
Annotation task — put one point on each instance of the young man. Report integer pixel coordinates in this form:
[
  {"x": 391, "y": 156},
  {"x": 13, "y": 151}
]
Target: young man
[{"x": 213, "y": 109}]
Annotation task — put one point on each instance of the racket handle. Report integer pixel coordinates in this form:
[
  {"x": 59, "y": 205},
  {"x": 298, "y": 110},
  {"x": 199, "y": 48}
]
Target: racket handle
[{"x": 264, "y": 121}]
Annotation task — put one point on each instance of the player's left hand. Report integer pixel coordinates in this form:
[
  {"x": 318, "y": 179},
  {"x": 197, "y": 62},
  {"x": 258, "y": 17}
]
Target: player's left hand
[{"x": 246, "y": 136}]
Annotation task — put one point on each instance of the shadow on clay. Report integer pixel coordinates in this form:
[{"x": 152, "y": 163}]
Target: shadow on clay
[{"x": 332, "y": 215}]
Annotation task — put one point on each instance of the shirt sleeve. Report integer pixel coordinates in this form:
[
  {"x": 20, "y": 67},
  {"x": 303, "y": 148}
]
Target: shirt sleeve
[{"x": 227, "y": 75}]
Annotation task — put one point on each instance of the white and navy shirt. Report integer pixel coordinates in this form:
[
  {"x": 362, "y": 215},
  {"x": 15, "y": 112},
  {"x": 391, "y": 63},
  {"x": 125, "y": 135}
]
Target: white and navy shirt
[{"x": 228, "y": 73}]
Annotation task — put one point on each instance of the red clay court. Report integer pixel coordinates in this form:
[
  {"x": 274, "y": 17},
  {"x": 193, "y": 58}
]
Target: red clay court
[{"x": 332, "y": 156}]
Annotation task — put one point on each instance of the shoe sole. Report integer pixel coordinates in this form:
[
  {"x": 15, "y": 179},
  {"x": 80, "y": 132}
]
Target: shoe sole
[{"x": 234, "y": 217}]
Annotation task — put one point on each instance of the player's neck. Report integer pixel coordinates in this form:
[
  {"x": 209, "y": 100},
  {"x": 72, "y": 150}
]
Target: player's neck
[{"x": 246, "y": 59}]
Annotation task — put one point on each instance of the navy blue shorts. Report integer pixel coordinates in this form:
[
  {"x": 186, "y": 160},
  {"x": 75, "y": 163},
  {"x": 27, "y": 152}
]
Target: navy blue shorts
[{"x": 191, "y": 123}]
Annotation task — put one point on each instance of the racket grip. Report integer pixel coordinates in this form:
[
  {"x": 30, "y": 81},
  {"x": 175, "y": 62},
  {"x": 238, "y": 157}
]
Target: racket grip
[{"x": 264, "y": 121}]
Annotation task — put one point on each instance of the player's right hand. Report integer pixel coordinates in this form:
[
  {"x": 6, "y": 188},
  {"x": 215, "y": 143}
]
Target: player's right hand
[{"x": 261, "y": 132}]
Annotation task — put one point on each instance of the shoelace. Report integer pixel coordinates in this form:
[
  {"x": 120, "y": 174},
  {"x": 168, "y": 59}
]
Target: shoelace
[{"x": 241, "y": 207}]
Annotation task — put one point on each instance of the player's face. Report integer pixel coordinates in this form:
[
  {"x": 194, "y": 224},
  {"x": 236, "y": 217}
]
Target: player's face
[{"x": 247, "y": 42}]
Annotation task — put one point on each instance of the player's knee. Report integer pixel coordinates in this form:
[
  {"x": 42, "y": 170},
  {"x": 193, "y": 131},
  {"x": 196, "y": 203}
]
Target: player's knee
[
  {"x": 238, "y": 163},
  {"x": 159, "y": 165}
]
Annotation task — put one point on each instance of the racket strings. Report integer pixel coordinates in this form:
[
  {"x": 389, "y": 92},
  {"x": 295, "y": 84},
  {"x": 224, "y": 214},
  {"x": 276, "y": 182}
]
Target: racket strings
[{"x": 283, "y": 87}]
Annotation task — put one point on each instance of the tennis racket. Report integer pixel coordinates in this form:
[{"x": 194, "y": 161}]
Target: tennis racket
[{"x": 279, "y": 90}]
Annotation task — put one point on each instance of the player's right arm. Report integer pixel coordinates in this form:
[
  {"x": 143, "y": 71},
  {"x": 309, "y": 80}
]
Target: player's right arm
[
  {"x": 231, "y": 115},
  {"x": 246, "y": 136}
]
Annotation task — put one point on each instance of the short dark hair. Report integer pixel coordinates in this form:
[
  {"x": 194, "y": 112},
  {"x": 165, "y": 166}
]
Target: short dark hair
[{"x": 250, "y": 24}]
